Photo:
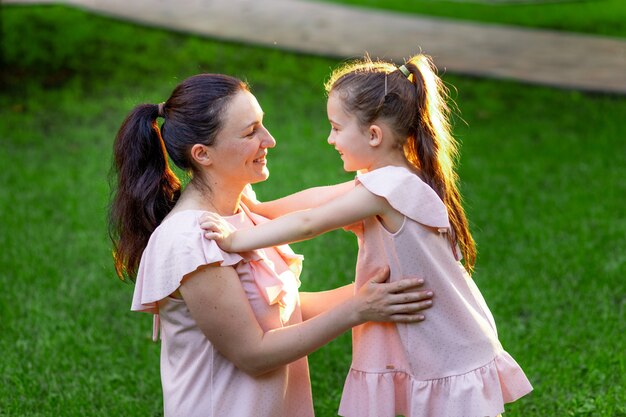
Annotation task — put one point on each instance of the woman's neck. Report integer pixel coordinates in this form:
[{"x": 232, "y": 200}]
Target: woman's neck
[{"x": 221, "y": 200}]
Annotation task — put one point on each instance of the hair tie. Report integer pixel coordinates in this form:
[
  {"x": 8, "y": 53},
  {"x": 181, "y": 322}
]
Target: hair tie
[
  {"x": 405, "y": 71},
  {"x": 161, "y": 109}
]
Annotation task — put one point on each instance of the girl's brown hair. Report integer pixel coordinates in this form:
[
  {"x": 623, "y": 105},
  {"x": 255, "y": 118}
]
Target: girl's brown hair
[
  {"x": 416, "y": 108},
  {"x": 145, "y": 189}
]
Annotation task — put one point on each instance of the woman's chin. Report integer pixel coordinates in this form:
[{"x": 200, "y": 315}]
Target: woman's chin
[{"x": 261, "y": 176}]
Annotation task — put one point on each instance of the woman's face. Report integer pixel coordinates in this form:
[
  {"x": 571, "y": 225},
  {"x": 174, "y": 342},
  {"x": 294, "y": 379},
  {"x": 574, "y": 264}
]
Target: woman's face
[{"x": 240, "y": 150}]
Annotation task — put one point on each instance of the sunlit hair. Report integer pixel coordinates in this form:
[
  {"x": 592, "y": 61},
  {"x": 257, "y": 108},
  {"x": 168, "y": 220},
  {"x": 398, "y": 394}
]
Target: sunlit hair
[
  {"x": 145, "y": 189},
  {"x": 416, "y": 109}
]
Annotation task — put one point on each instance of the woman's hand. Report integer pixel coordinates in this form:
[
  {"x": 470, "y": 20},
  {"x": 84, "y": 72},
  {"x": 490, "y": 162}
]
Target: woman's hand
[
  {"x": 397, "y": 301},
  {"x": 216, "y": 228},
  {"x": 222, "y": 310}
]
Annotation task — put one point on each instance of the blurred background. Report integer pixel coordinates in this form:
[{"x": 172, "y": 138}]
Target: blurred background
[{"x": 540, "y": 118}]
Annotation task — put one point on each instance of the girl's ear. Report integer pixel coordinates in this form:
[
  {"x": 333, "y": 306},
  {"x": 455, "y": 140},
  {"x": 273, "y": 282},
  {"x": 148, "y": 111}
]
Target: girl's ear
[
  {"x": 376, "y": 135},
  {"x": 201, "y": 154}
]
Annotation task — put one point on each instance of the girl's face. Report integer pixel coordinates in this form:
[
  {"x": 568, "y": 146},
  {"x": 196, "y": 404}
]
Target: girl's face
[
  {"x": 240, "y": 150},
  {"x": 348, "y": 137}
]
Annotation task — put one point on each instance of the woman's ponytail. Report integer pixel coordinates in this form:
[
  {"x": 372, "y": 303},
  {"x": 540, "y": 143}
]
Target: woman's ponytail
[{"x": 146, "y": 188}]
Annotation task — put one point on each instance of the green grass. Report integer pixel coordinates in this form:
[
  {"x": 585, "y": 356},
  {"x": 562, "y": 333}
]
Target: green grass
[
  {"x": 542, "y": 173},
  {"x": 601, "y": 17}
]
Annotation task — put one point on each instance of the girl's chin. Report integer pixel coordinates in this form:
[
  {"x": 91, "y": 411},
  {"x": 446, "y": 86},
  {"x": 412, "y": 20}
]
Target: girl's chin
[{"x": 349, "y": 168}]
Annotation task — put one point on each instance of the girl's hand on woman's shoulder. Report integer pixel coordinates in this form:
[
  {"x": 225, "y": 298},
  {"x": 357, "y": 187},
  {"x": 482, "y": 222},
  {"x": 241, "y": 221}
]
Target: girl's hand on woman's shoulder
[
  {"x": 398, "y": 301},
  {"x": 217, "y": 229}
]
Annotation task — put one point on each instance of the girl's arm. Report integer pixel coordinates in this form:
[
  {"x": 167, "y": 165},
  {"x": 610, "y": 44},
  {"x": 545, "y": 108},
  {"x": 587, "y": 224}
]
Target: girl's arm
[
  {"x": 302, "y": 200},
  {"x": 219, "y": 306},
  {"x": 355, "y": 205}
]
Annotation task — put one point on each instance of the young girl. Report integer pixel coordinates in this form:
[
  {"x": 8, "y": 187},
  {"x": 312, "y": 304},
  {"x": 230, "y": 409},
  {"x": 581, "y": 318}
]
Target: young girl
[{"x": 391, "y": 125}]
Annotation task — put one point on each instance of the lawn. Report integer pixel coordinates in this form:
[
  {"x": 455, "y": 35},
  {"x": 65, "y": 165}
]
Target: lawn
[
  {"x": 542, "y": 174},
  {"x": 600, "y": 17}
]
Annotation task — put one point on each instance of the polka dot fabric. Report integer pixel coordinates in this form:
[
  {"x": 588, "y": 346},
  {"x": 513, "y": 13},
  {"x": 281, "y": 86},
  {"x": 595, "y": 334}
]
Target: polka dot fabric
[{"x": 450, "y": 365}]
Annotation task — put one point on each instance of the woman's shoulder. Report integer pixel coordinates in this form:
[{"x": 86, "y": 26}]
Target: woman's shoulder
[
  {"x": 181, "y": 228},
  {"x": 180, "y": 222},
  {"x": 180, "y": 236},
  {"x": 176, "y": 248}
]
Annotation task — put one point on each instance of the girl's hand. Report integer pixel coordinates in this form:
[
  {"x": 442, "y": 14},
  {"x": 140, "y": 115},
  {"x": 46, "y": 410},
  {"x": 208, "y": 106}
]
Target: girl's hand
[
  {"x": 394, "y": 301},
  {"x": 216, "y": 228}
]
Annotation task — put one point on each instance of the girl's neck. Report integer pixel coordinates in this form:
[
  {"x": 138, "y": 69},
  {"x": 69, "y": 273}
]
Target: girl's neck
[{"x": 392, "y": 158}]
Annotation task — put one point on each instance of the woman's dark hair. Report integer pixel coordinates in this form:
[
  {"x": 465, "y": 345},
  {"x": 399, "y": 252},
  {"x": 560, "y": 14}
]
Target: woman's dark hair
[
  {"x": 414, "y": 105},
  {"x": 145, "y": 188}
]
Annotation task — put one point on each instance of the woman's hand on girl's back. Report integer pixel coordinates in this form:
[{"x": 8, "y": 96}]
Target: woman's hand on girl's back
[{"x": 397, "y": 301}]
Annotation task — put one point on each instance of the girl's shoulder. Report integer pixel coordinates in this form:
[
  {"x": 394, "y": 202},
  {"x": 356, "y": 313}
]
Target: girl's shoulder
[
  {"x": 390, "y": 172},
  {"x": 407, "y": 193}
]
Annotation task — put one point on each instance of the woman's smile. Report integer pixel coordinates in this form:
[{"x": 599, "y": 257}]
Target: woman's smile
[{"x": 261, "y": 160}]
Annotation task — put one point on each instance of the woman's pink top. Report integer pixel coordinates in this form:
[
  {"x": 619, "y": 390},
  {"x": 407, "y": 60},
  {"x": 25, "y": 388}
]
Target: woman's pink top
[
  {"x": 451, "y": 364},
  {"x": 197, "y": 380}
]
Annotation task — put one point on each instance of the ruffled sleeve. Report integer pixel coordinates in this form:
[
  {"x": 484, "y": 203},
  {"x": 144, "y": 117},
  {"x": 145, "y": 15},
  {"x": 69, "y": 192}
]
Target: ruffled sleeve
[
  {"x": 176, "y": 248},
  {"x": 408, "y": 194},
  {"x": 276, "y": 284},
  {"x": 292, "y": 259}
]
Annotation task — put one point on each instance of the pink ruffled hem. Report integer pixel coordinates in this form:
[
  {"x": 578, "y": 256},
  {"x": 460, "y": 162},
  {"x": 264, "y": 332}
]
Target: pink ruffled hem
[{"x": 481, "y": 392}]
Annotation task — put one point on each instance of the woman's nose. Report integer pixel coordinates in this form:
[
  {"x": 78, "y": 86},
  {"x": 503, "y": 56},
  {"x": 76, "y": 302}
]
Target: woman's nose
[
  {"x": 331, "y": 140},
  {"x": 268, "y": 140}
]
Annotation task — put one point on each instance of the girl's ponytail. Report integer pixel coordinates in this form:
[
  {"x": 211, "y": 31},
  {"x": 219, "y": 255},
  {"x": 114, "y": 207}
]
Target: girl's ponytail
[
  {"x": 417, "y": 112},
  {"x": 146, "y": 187},
  {"x": 432, "y": 148}
]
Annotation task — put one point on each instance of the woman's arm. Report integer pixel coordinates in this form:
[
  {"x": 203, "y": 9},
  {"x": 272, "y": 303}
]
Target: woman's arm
[
  {"x": 219, "y": 306},
  {"x": 302, "y": 200},
  {"x": 355, "y": 205},
  {"x": 315, "y": 303}
]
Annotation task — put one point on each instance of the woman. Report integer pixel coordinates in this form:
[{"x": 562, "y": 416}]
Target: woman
[{"x": 235, "y": 332}]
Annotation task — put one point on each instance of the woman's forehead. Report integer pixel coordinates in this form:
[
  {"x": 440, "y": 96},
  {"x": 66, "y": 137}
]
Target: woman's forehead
[{"x": 243, "y": 110}]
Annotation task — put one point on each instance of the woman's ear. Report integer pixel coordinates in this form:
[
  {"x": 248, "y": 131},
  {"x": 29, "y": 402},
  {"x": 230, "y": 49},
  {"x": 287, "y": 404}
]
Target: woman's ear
[
  {"x": 376, "y": 135},
  {"x": 201, "y": 154}
]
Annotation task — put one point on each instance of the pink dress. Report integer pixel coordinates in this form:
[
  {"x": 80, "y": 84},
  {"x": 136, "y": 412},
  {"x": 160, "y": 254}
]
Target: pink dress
[
  {"x": 197, "y": 380},
  {"x": 450, "y": 365}
]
